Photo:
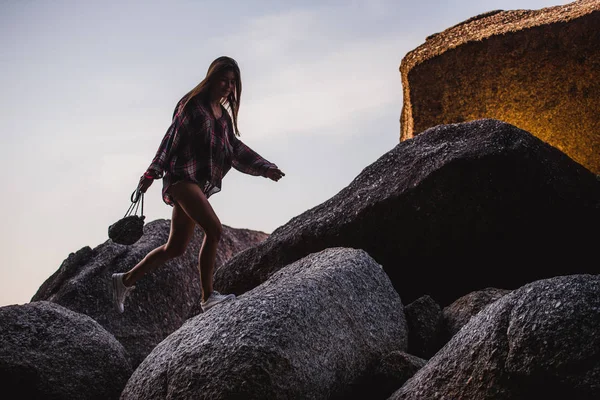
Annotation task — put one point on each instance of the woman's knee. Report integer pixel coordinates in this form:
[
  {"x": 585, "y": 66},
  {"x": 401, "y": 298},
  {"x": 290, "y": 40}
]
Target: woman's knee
[
  {"x": 213, "y": 230},
  {"x": 173, "y": 250}
]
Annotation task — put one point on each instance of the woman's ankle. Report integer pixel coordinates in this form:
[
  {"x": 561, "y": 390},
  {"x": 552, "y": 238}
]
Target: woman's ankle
[{"x": 206, "y": 294}]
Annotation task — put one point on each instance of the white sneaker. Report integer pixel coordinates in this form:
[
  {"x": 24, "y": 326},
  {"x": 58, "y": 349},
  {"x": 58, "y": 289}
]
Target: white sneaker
[
  {"x": 214, "y": 299},
  {"x": 119, "y": 291}
]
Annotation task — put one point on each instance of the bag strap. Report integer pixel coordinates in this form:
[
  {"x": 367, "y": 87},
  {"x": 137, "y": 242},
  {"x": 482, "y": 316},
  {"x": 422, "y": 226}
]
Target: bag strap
[{"x": 137, "y": 199}]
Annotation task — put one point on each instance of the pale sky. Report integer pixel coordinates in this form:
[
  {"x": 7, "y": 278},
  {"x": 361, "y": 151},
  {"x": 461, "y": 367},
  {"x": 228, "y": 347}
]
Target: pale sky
[{"x": 89, "y": 87}]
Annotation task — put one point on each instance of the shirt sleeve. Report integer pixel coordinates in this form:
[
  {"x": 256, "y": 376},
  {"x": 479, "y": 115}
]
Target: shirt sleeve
[
  {"x": 247, "y": 160},
  {"x": 168, "y": 146}
]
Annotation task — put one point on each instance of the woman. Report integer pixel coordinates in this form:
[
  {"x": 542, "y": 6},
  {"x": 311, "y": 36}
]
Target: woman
[{"x": 198, "y": 150}]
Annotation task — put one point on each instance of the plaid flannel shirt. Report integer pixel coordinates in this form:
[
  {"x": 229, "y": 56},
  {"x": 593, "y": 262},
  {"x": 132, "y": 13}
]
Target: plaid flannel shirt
[{"x": 199, "y": 148}]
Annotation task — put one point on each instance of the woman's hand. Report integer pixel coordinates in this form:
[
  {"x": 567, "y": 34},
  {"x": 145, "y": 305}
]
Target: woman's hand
[
  {"x": 274, "y": 173},
  {"x": 145, "y": 182}
]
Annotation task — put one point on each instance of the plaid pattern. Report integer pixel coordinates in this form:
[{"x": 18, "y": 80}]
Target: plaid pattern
[{"x": 199, "y": 148}]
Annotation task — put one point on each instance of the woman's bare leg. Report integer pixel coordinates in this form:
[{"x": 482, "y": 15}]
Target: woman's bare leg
[
  {"x": 182, "y": 230},
  {"x": 195, "y": 204}
]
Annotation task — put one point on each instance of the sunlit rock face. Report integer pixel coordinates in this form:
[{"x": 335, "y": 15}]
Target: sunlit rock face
[{"x": 536, "y": 69}]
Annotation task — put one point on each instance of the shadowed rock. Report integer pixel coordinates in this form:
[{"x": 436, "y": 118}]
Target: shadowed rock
[
  {"x": 535, "y": 69},
  {"x": 161, "y": 301},
  {"x": 390, "y": 373},
  {"x": 424, "y": 320},
  {"x": 311, "y": 330},
  {"x": 50, "y": 352},
  {"x": 541, "y": 341},
  {"x": 458, "y": 208},
  {"x": 457, "y": 314}
]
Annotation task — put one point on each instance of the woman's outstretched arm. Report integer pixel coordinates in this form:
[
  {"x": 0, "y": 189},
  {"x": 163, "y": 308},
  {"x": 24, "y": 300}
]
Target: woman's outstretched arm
[{"x": 250, "y": 162}]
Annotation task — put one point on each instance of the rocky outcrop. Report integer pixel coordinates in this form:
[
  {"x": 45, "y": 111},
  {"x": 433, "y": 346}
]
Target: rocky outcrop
[
  {"x": 480, "y": 216},
  {"x": 309, "y": 332},
  {"x": 50, "y": 352},
  {"x": 456, "y": 209},
  {"x": 541, "y": 341},
  {"x": 161, "y": 301},
  {"x": 535, "y": 69}
]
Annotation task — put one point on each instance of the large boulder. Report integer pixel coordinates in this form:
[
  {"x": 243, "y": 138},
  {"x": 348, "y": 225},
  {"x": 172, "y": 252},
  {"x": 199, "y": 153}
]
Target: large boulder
[
  {"x": 309, "y": 332},
  {"x": 541, "y": 341},
  {"x": 458, "y": 208},
  {"x": 161, "y": 301},
  {"x": 50, "y": 352},
  {"x": 536, "y": 69}
]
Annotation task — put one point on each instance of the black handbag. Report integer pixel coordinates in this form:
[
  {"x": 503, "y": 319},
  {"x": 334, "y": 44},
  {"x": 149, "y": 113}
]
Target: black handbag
[{"x": 130, "y": 228}]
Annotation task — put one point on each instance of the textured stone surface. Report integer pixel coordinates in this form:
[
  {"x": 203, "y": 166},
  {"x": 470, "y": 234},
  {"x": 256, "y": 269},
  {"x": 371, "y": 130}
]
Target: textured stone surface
[
  {"x": 161, "y": 301},
  {"x": 541, "y": 341},
  {"x": 50, "y": 352},
  {"x": 456, "y": 209},
  {"x": 536, "y": 69},
  {"x": 311, "y": 330}
]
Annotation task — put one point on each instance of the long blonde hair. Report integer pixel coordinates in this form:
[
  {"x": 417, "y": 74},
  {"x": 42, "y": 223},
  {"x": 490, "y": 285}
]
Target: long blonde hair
[{"x": 215, "y": 70}]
